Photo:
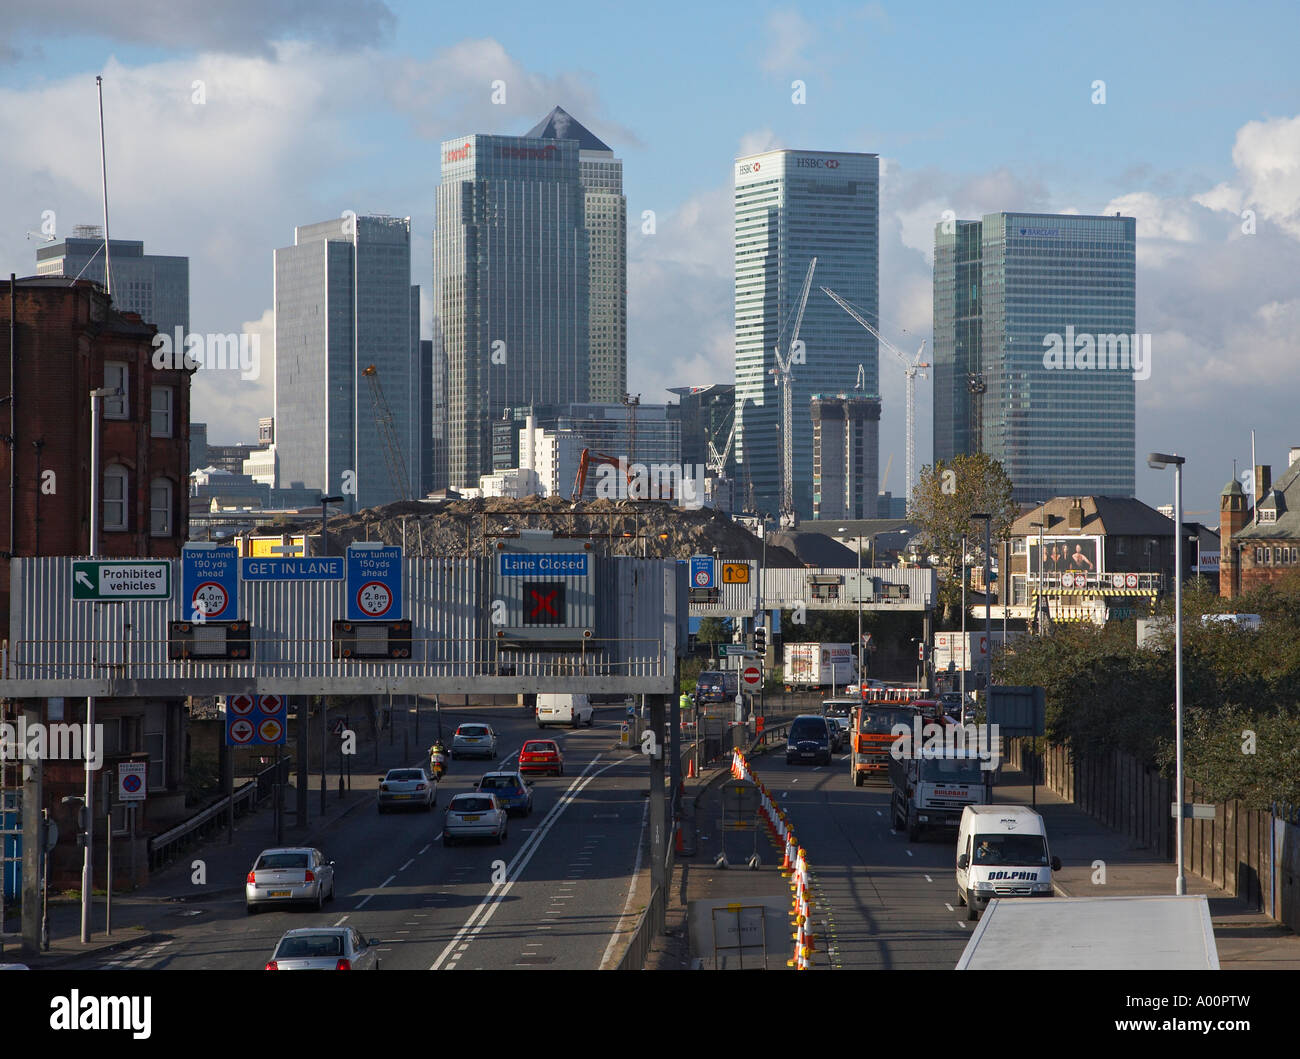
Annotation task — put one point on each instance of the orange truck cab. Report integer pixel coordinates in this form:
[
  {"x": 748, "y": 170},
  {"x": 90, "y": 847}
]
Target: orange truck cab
[{"x": 873, "y": 736}]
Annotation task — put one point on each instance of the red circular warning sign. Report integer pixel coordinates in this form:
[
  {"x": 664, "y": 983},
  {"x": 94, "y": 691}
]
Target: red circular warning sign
[
  {"x": 210, "y": 600},
  {"x": 131, "y": 783},
  {"x": 270, "y": 730},
  {"x": 271, "y": 703},
  {"x": 374, "y": 599},
  {"x": 240, "y": 704},
  {"x": 752, "y": 675},
  {"x": 241, "y": 731}
]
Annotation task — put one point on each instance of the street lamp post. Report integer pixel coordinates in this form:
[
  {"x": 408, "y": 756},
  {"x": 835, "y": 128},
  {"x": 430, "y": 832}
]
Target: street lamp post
[
  {"x": 843, "y": 529},
  {"x": 987, "y": 664},
  {"x": 1039, "y": 599},
  {"x": 1159, "y": 461},
  {"x": 965, "y": 654},
  {"x": 325, "y": 502}
]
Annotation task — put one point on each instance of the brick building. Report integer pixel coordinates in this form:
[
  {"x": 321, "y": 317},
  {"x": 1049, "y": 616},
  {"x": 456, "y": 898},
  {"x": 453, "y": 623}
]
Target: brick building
[
  {"x": 58, "y": 341},
  {"x": 1262, "y": 545}
]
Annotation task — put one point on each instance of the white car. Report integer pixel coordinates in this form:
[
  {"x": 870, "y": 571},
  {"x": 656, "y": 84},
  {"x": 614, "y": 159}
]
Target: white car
[
  {"x": 474, "y": 740},
  {"x": 407, "y": 788},
  {"x": 289, "y": 874},
  {"x": 477, "y": 815},
  {"x": 564, "y": 709}
]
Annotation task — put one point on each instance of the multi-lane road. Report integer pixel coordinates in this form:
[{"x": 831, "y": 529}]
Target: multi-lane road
[
  {"x": 554, "y": 895},
  {"x": 890, "y": 903}
]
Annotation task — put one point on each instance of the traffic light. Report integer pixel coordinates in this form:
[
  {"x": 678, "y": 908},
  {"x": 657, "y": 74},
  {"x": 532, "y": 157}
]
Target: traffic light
[{"x": 760, "y": 641}]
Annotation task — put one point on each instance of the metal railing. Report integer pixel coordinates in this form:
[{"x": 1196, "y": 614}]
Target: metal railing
[{"x": 173, "y": 842}]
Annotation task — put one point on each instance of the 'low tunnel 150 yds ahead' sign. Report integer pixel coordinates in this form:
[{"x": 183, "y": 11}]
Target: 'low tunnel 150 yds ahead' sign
[{"x": 374, "y": 582}]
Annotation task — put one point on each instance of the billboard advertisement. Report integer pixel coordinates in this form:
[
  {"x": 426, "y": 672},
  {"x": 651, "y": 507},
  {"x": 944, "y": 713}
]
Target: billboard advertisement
[{"x": 1079, "y": 555}]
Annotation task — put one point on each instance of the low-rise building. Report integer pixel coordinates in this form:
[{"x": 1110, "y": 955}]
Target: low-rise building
[{"x": 1262, "y": 546}]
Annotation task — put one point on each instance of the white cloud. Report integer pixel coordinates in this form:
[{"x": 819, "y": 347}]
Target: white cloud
[
  {"x": 1267, "y": 157},
  {"x": 788, "y": 34}
]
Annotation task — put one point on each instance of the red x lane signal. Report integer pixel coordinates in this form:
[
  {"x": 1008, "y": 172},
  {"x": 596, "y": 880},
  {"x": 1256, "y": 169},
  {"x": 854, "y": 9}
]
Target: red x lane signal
[{"x": 543, "y": 603}]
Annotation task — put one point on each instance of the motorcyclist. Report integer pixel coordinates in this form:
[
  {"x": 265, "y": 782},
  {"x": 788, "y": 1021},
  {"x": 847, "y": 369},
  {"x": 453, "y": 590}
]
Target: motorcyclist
[{"x": 437, "y": 759}]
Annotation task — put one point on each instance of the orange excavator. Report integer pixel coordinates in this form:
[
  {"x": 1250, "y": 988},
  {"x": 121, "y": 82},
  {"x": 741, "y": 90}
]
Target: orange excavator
[{"x": 584, "y": 465}]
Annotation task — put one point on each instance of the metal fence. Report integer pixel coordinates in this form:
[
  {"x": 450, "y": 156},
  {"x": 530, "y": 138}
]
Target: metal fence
[{"x": 172, "y": 843}]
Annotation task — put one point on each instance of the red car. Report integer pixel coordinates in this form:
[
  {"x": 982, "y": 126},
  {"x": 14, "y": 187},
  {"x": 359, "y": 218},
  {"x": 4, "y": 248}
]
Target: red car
[{"x": 541, "y": 755}]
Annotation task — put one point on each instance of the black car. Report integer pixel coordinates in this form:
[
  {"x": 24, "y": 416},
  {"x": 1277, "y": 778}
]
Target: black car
[{"x": 809, "y": 740}]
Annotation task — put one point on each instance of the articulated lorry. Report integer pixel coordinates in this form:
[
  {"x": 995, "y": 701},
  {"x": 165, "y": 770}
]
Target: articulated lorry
[
  {"x": 819, "y": 666},
  {"x": 1164, "y": 933}
]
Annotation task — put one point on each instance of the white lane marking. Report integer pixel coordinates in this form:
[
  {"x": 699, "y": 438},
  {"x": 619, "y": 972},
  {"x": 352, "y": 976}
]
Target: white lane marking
[
  {"x": 407, "y": 864},
  {"x": 909, "y": 852},
  {"x": 341, "y": 921},
  {"x": 485, "y": 909},
  {"x": 425, "y": 850},
  {"x": 879, "y": 813},
  {"x": 949, "y": 907},
  {"x": 631, "y": 890},
  {"x": 369, "y": 896},
  {"x": 928, "y": 879},
  {"x": 961, "y": 923}
]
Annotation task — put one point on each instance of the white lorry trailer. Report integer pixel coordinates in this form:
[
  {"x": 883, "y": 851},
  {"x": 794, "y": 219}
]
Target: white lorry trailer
[
  {"x": 819, "y": 666},
  {"x": 1094, "y": 933}
]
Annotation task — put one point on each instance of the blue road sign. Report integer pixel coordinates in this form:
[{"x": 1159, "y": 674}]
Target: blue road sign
[
  {"x": 323, "y": 568},
  {"x": 701, "y": 571},
  {"x": 256, "y": 720},
  {"x": 563, "y": 564},
  {"x": 209, "y": 584},
  {"x": 374, "y": 583}
]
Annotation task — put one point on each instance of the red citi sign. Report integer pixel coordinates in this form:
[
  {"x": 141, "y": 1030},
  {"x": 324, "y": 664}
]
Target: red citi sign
[{"x": 458, "y": 154}]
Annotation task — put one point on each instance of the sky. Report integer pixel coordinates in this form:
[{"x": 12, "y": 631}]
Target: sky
[{"x": 228, "y": 124}]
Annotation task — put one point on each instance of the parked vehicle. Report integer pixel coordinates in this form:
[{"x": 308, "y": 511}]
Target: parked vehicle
[
  {"x": 564, "y": 709},
  {"x": 289, "y": 874},
  {"x": 474, "y": 740},
  {"x": 1002, "y": 851},
  {"x": 406, "y": 789},
  {"x": 477, "y": 815},
  {"x": 931, "y": 792},
  {"x": 809, "y": 740},
  {"x": 819, "y": 666},
  {"x": 324, "y": 949}
]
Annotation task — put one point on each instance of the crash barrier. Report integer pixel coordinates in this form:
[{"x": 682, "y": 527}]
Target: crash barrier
[
  {"x": 175, "y": 841},
  {"x": 794, "y": 865}
]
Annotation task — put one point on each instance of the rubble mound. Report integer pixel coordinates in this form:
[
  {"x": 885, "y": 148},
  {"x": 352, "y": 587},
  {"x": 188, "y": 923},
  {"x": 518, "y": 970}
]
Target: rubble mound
[{"x": 457, "y": 529}]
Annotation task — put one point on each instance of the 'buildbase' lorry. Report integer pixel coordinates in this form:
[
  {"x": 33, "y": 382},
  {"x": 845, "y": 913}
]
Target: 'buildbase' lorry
[
  {"x": 818, "y": 666},
  {"x": 930, "y": 791}
]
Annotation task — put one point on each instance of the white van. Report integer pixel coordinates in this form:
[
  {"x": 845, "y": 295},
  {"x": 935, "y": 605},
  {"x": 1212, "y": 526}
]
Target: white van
[
  {"x": 1002, "y": 852},
  {"x": 564, "y": 709}
]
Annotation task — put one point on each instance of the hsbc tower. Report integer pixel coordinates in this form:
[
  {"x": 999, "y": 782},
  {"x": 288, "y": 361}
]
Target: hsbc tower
[{"x": 792, "y": 206}]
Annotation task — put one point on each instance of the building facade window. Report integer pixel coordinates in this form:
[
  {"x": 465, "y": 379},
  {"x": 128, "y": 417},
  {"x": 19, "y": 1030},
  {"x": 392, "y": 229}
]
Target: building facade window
[
  {"x": 160, "y": 508},
  {"x": 117, "y": 375},
  {"x": 113, "y": 511},
  {"x": 160, "y": 411}
]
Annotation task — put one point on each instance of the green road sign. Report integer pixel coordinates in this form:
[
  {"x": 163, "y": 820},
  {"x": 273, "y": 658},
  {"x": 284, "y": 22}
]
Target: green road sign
[
  {"x": 734, "y": 650},
  {"x": 122, "y": 579}
]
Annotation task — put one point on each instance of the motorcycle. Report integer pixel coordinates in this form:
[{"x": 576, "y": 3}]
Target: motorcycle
[{"x": 437, "y": 761}]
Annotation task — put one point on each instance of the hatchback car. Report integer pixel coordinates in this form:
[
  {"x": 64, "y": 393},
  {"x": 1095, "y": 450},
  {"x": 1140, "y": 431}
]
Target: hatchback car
[
  {"x": 289, "y": 874},
  {"x": 511, "y": 789},
  {"x": 474, "y": 816},
  {"x": 407, "y": 789},
  {"x": 324, "y": 949},
  {"x": 541, "y": 755},
  {"x": 474, "y": 740},
  {"x": 809, "y": 740},
  {"x": 837, "y": 731}
]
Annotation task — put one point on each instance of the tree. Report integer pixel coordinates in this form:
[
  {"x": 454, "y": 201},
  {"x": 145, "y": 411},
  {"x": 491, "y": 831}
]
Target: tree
[
  {"x": 714, "y": 630},
  {"x": 942, "y": 504}
]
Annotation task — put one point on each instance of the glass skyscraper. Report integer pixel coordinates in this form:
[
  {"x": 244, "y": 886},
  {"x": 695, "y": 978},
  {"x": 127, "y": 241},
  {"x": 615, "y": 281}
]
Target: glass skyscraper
[
  {"x": 511, "y": 279},
  {"x": 1035, "y": 344},
  {"x": 154, "y": 285},
  {"x": 344, "y": 301},
  {"x": 791, "y": 206},
  {"x": 605, "y": 209}
]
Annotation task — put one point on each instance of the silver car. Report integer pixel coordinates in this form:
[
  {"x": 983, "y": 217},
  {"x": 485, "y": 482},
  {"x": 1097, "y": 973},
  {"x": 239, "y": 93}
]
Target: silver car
[
  {"x": 289, "y": 874},
  {"x": 407, "y": 789},
  {"x": 474, "y": 740},
  {"x": 324, "y": 949},
  {"x": 477, "y": 815}
]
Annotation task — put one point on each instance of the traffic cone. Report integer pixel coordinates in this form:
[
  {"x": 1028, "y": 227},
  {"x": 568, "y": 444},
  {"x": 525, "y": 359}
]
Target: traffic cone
[{"x": 690, "y": 770}]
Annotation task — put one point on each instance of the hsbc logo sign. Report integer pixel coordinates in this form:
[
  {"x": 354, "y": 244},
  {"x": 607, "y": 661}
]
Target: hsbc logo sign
[
  {"x": 457, "y": 154},
  {"x": 817, "y": 163},
  {"x": 743, "y": 170}
]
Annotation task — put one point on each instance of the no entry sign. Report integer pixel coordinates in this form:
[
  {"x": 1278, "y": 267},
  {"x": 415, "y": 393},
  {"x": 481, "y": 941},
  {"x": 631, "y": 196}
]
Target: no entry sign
[{"x": 751, "y": 676}]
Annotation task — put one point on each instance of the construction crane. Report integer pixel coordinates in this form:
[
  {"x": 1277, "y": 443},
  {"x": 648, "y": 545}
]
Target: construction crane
[
  {"x": 716, "y": 461},
  {"x": 384, "y": 422},
  {"x": 916, "y": 366},
  {"x": 584, "y": 465},
  {"x": 785, "y": 379},
  {"x": 861, "y": 384}
]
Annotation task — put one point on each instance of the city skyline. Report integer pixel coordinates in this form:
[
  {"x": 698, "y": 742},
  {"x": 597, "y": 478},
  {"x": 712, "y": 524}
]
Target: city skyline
[{"x": 1188, "y": 148}]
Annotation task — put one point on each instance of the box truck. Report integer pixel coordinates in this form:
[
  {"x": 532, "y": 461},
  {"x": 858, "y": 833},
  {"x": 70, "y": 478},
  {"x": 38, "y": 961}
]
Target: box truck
[{"x": 819, "y": 666}]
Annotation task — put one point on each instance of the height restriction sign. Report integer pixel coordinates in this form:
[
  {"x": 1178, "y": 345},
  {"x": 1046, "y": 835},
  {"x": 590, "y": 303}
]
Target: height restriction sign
[
  {"x": 209, "y": 583},
  {"x": 374, "y": 580}
]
